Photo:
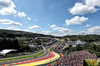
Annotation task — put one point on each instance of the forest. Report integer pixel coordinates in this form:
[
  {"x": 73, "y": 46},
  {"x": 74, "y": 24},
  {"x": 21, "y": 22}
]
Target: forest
[
  {"x": 91, "y": 47},
  {"x": 86, "y": 38},
  {"x": 13, "y": 34},
  {"x": 9, "y": 44}
]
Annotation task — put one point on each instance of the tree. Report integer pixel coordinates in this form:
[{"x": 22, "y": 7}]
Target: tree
[
  {"x": 78, "y": 47},
  {"x": 93, "y": 46},
  {"x": 38, "y": 42}
]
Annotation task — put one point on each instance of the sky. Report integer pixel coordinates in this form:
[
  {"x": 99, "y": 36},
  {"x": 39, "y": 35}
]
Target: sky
[{"x": 51, "y": 17}]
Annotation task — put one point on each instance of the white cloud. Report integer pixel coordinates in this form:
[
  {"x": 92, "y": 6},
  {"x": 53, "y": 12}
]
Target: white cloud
[
  {"x": 21, "y": 14},
  {"x": 28, "y": 18},
  {"x": 76, "y": 20},
  {"x": 61, "y": 31},
  {"x": 80, "y": 9},
  {"x": 87, "y": 25},
  {"x": 34, "y": 27},
  {"x": 13, "y": 28},
  {"x": 48, "y": 24},
  {"x": 80, "y": 33},
  {"x": 92, "y": 2},
  {"x": 36, "y": 20},
  {"x": 34, "y": 32},
  {"x": 9, "y": 22},
  {"x": 94, "y": 30},
  {"x": 47, "y": 32},
  {"x": 52, "y": 26},
  {"x": 88, "y": 7},
  {"x": 8, "y": 11},
  {"x": 6, "y": 3},
  {"x": 51, "y": 33},
  {"x": 7, "y": 7},
  {"x": 27, "y": 30},
  {"x": 65, "y": 31}
]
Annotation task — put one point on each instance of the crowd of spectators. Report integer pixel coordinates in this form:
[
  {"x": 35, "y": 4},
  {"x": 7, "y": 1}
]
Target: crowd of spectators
[{"x": 74, "y": 58}]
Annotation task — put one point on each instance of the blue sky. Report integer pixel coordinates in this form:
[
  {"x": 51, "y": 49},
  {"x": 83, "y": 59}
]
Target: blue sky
[{"x": 52, "y": 17}]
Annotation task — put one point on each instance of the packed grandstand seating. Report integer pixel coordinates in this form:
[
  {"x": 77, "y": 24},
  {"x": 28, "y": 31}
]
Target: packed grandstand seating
[{"x": 74, "y": 58}]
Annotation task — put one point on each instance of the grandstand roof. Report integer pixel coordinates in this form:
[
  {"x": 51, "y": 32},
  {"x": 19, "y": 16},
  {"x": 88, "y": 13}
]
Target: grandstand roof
[{"x": 5, "y": 51}]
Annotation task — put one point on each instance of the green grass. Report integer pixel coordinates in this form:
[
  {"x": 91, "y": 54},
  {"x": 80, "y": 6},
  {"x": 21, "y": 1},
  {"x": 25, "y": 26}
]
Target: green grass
[
  {"x": 52, "y": 48},
  {"x": 58, "y": 42},
  {"x": 28, "y": 56}
]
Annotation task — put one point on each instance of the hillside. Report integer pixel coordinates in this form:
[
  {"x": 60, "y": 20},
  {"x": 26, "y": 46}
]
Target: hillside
[
  {"x": 12, "y": 34},
  {"x": 87, "y": 38}
]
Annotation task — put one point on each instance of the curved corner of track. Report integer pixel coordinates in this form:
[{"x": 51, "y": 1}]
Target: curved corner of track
[{"x": 52, "y": 56}]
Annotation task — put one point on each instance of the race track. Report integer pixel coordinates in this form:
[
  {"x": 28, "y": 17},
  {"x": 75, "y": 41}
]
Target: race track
[{"x": 52, "y": 56}]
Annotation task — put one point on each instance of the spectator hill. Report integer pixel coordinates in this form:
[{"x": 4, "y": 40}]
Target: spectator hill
[{"x": 77, "y": 58}]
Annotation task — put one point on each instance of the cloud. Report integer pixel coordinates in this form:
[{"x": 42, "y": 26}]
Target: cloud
[
  {"x": 94, "y": 30},
  {"x": 48, "y": 24},
  {"x": 51, "y": 33},
  {"x": 7, "y": 7},
  {"x": 21, "y": 14},
  {"x": 34, "y": 32},
  {"x": 13, "y": 28},
  {"x": 93, "y": 2},
  {"x": 28, "y": 18},
  {"x": 36, "y": 20},
  {"x": 8, "y": 11},
  {"x": 87, "y": 25},
  {"x": 52, "y": 26},
  {"x": 80, "y": 9},
  {"x": 34, "y": 27},
  {"x": 27, "y": 30},
  {"x": 47, "y": 32},
  {"x": 89, "y": 6},
  {"x": 80, "y": 33},
  {"x": 9, "y": 22},
  {"x": 6, "y": 3},
  {"x": 61, "y": 31},
  {"x": 76, "y": 20}
]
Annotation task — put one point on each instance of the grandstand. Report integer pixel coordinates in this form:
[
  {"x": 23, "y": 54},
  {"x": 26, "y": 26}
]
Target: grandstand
[{"x": 77, "y": 58}]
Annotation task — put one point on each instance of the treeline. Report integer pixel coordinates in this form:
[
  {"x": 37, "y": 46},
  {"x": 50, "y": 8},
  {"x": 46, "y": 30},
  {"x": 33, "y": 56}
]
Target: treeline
[
  {"x": 14, "y": 44},
  {"x": 87, "y": 38},
  {"x": 13, "y": 34},
  {"x": 9, "y": 44},
  {"x": 91, "y": 47}
]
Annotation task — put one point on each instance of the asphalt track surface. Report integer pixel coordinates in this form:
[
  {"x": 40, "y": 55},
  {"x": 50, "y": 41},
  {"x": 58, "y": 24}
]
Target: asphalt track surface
[
  {"x": 6, "y": 63},
  {"x": 52, "y": 56},
  {"x": 47, "y": 57}
]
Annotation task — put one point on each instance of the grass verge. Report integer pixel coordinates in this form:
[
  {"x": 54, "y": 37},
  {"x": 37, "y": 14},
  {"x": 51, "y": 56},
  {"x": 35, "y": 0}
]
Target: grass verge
[
  {"x": 28, "y": 56},
  {"x": 51, "y": 48},
  {"x": 58, "y": 42}
]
